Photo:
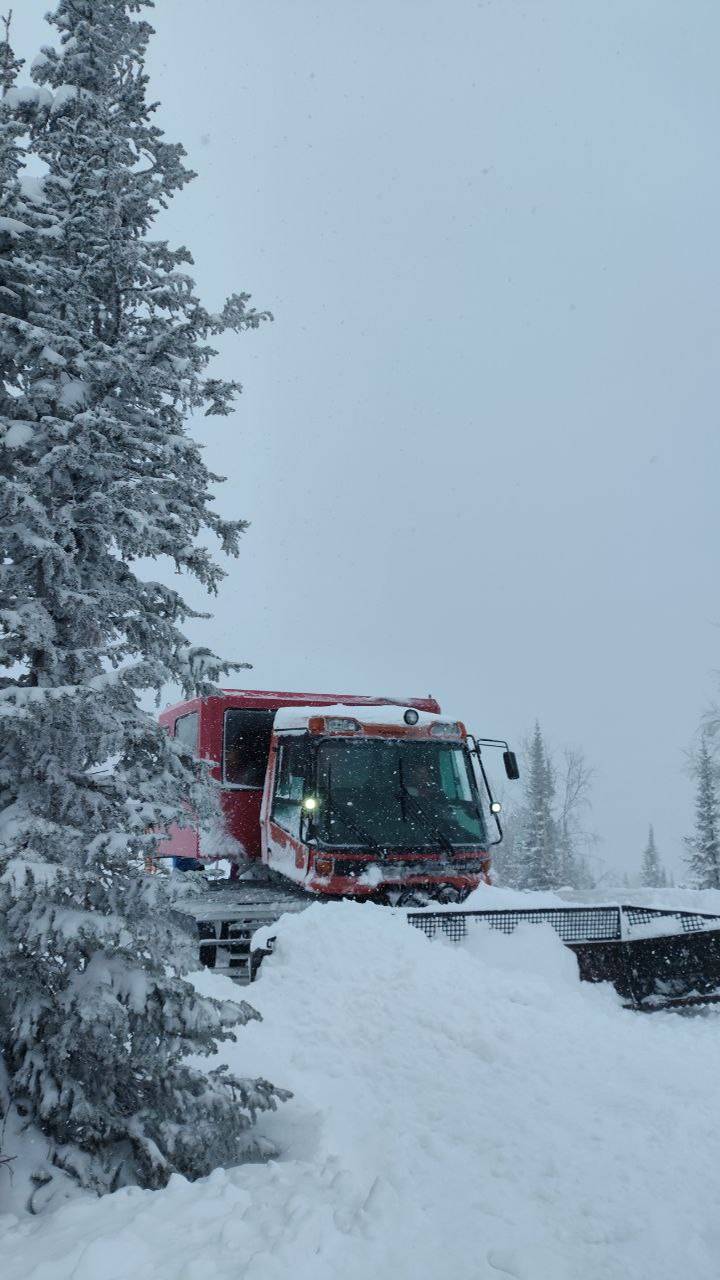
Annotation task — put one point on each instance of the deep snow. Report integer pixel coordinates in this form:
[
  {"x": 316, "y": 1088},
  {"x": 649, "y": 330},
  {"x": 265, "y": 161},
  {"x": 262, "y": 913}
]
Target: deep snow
[{"x": 471, "y": 1111}]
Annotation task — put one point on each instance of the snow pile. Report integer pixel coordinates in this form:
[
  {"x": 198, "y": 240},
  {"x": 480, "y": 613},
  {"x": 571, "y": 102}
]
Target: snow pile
[
  {"x": 704, "y": 900},
  {"x": 468, "y": 1111},
  {"x": 497, "y": 898}
]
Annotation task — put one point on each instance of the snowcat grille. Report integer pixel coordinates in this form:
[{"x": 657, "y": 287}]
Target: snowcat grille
[{"x": 573, "y": 924}]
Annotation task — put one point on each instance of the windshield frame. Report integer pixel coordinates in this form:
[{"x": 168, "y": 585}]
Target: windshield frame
[{"x": 422, "y": 833}]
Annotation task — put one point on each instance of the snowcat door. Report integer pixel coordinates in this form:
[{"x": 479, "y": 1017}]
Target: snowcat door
[{"x": 287, "y": 819}]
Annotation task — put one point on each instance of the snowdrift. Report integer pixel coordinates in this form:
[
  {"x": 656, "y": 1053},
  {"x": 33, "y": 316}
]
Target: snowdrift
[{"x": 459, "y": 1111}]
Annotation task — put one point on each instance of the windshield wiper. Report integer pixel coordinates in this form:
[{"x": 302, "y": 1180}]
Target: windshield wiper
[
  {"x": 437, "y": 832},
  {"x": 356, "y": 830},
  {"x": 349, "y": 822}
]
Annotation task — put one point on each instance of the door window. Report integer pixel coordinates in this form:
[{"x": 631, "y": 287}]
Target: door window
[
  {"x": 290, "y": 783},
  {"x": 246, "y": 747},
  {"x": 186, "y": 731}
]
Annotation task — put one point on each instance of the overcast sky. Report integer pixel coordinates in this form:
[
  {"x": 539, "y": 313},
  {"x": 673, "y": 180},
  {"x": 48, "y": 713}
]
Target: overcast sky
[{"x": 479, "y": 444}]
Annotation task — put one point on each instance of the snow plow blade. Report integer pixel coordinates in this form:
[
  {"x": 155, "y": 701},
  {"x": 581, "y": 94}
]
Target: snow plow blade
[{"x": 655, "y": 958}]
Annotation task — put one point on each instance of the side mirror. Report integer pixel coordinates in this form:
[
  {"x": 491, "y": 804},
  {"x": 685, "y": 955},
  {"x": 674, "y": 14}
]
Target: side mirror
[{"x": 511, "y": 765}]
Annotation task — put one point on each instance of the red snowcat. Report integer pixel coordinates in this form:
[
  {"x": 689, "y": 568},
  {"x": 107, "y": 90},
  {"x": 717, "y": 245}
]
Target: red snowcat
[
  {"x": 333, "y": 796},
  {"x": 343, "y": 796},
  {"x": 336, "y": 796}
]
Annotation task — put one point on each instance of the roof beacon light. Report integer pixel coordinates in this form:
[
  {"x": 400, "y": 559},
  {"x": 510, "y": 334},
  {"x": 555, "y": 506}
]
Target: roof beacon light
[
  {"x": 443, "y": 729},
  {"x": 341, "y": 724},
  {"x": 496, "y": 807},
  {"x": 411, "y": 716}
]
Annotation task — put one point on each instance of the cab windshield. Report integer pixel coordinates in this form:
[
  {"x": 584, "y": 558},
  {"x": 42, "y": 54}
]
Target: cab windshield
[{"x": 391, "y": 793}]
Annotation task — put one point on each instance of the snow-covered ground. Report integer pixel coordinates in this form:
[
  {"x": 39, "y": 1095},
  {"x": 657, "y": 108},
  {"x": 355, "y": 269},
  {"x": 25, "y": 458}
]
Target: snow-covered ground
[{"x": 468, "y": 1111}]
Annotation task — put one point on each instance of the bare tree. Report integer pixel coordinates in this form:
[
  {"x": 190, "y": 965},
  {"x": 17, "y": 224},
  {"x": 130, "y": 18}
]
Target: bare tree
[
  {"x": 575, "y": 837},
  {"x": 577, "y": 777}
]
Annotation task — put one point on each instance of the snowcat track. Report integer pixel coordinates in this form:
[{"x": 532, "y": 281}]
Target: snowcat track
[
  {"x": 679, "y": 1003},
  {"x": 651, "y": 971}
]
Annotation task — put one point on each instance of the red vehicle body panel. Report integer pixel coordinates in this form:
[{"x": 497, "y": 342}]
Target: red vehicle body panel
[{"x": 241, "y": 805}]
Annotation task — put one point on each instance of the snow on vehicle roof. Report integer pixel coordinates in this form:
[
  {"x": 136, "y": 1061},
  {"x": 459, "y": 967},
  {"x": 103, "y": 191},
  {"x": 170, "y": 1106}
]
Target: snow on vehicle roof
[{"x": 298, "y": 717}]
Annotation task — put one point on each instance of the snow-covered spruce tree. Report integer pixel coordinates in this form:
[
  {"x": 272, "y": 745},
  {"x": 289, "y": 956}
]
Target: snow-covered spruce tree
[
  {"x": 102, "y": 364},
  {"x": 11, "y": 158},
  {"x": 538, "y": 853},
  {"x": 13, "y": 222},
  {"x": 703, "y": 846},
  {"x": 545, "y": 834},
  {"x": 652, "y": 875},
  {"x": 11, "y": 293}
]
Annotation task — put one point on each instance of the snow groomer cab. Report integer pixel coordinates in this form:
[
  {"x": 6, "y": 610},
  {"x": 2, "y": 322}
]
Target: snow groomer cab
[{"x": 346, "y": 796}]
